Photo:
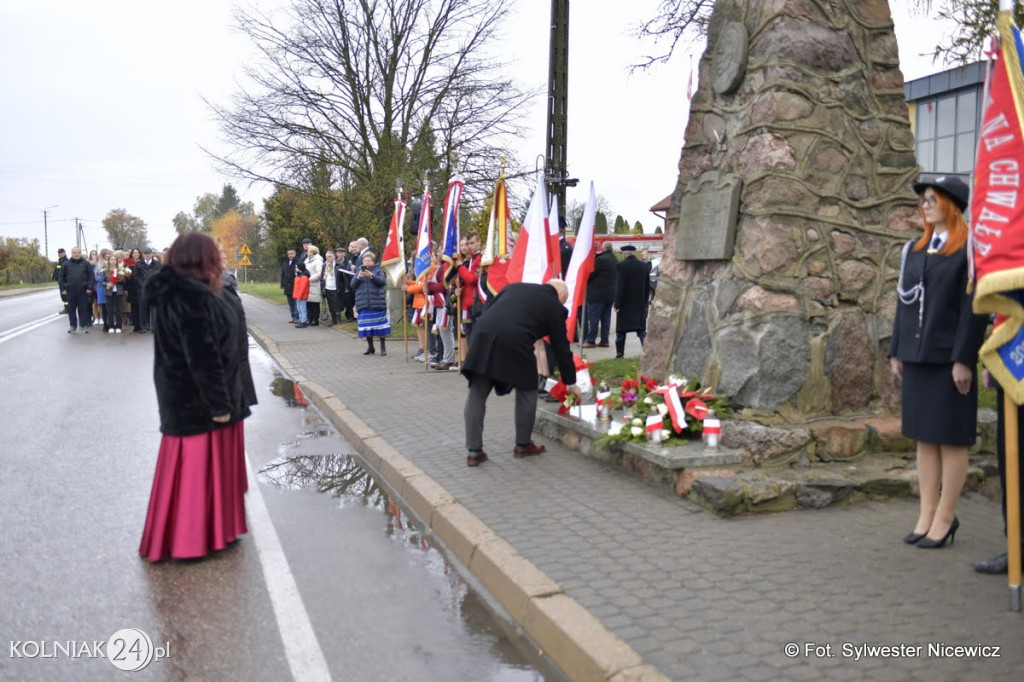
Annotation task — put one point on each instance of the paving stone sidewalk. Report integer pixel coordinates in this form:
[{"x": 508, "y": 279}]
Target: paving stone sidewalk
[{"x": 697, "y": 597}]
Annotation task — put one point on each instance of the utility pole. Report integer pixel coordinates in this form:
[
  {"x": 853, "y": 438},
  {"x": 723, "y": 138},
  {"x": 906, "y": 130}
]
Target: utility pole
[
  {"x": 555, "y": 173},
  {"x": 46, "y": 233}
]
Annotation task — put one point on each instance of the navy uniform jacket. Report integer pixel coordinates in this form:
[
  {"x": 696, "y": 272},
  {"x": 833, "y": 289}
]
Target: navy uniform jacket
[{"x": 950, "y": 331}]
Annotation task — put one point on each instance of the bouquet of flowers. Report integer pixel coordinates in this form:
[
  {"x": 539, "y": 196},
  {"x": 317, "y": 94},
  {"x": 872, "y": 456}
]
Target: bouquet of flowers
[{"x": 116, "y": 275}]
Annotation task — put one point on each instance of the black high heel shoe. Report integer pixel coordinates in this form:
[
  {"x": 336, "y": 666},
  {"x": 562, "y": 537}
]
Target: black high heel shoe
[
  {"x": 928, "y": 543},
  {"x": 912, "y": 538}
]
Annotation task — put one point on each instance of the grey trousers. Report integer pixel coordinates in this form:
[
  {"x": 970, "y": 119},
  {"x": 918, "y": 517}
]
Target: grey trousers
[{"x": 480, "y": 388}]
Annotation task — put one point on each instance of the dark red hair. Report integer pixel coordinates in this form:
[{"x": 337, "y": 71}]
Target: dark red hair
[{"x": 195, "y": 254}]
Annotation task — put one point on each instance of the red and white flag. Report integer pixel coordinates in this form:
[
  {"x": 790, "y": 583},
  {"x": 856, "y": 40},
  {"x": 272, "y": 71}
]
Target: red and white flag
[
  {"x": 581, "y": 264},
  {"x": 393, "y": 259},
  {"x": 554, "y": 248},
  {"x": 530, "y": 260},
  {"x": 670, "y": 392}
]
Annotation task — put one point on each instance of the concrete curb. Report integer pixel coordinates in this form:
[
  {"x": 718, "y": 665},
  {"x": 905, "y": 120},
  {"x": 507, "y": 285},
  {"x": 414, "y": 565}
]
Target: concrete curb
[{"x": 567, "y": 633}]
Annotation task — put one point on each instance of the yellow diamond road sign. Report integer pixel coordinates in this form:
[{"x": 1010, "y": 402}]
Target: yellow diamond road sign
[
  {"x": 245, "y": 251},
  {"x": 245, "y": 261}
]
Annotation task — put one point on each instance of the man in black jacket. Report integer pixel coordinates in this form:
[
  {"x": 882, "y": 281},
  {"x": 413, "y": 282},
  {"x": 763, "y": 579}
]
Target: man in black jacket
[
  {"x": 76, "y": 280},
  {"x": 600, "y": 296},
  {"x": 288, "y": 284},
  {"x": 632, "y": 294},
  {"x": 143, "y": 271},
  {"x": 501, "y": 358},
  {"x": 62, "y": 258}
]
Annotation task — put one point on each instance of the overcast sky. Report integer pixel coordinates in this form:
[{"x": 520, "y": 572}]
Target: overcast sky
[{"x": 100, "y": 106}]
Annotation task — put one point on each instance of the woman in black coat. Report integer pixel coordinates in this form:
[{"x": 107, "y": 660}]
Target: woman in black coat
[
  {"x": 934, "y": 353},
  {"x": 204, "y": 390}
]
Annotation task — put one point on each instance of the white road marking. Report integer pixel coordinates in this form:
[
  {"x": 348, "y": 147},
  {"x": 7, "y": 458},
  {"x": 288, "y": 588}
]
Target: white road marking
[
  {"x": 27, "y": 327},
  {"x": 305, "y": 658}
]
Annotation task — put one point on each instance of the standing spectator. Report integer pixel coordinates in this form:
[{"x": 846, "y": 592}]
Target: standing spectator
[
  {"x": 420, "y": 308},
  {"x": 437, "y": 288},
  {"x": 76, "y": 281},
  {"x": 934, "y": 355},
  {"x": 145, "y": 269},
  {"x": 304, "y": 252},
  {"x": 632, "y": 293},
  {"x": 600, "y": 297},
  {"x": 112, "y": 286},
  {"x": 204, "y": 391},
  {"x": 131, "y": 286},
  {"x": 301, "y": 301},
  {"x": 371, "y": 304},
  {"x": 288, "y": 283},
  {"x": 331, "y": 280},
  {"x": 98, "y": 297},
  {"x": 501, "y": 358},
  {"x": 62, "y": 258},
  {"x": 315, "y": 267},
  {"x": 345, "y": 269}
]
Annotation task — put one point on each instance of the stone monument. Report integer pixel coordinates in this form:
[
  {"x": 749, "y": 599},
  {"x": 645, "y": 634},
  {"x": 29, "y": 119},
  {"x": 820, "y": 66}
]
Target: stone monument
[{"x": 777, "y": 285}]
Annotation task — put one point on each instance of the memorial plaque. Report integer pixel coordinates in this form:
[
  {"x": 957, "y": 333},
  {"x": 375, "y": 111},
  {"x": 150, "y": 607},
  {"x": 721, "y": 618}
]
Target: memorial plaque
[{"x": 707, "y": 220}]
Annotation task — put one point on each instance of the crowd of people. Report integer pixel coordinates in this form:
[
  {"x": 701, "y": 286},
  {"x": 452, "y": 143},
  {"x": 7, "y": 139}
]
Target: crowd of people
[
  {"x": 105, "y": 289},
  {"x": 445, "y": 300}
]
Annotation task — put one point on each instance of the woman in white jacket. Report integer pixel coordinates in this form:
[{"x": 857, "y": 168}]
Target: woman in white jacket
[{"x": 315, "y": 265}]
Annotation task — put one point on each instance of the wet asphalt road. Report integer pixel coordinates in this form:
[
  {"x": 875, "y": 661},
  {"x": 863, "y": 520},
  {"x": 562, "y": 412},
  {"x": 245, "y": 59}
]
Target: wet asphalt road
[{"x": 331, "y": 582}]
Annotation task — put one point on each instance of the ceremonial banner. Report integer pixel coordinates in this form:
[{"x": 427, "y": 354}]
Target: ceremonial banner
[
  {"x": 554, "y": 252},
  {"x": 392, "y": 261},
  {"x": 581, "y": 264},
  {"x": 450, "y": 230},
  {"x": 422, "y": 262},
  {"x": 997, "y": 215}
]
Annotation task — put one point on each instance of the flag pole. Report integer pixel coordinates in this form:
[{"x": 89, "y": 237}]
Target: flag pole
[
  {"x": 405, "y": 311},
  {"x": 1012, "y": 465}
]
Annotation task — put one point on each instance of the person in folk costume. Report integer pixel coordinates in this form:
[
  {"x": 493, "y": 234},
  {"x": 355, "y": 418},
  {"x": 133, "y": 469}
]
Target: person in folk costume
[
  {"x": 437, "y": 289},
  {"x": 371, "y": 304},
  {"x": 934, "y": 355},
  {"x": 420, "y": 304},
  {"x": 469, "y": 275}
]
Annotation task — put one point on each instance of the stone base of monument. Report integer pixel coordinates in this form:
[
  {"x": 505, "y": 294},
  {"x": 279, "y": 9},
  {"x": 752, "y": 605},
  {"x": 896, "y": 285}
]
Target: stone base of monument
[{"x": 779, "y": 468}]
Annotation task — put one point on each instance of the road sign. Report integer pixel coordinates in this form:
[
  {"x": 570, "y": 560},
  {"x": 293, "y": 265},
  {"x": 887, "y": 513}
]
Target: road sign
[
  {"x": 245, "y": 261},
  {"x": 245, "y": 251}
]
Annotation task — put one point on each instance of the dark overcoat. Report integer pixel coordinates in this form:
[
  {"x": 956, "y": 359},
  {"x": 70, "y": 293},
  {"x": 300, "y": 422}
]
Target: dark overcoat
[
  {"x": 632, "y": 292},
  {"x": 370, "y": 291},
  {"x": 501, "y": 346},
  {"x": 288, "y": 275},
  {"x": 947, "y": 330},
  {"x": 200, "y": 363},
  {"x": 601, "y": 283}
]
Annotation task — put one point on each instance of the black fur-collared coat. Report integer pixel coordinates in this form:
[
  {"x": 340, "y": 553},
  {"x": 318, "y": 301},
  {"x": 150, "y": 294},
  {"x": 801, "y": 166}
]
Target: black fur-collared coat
[{"x": 201, "y": 364}]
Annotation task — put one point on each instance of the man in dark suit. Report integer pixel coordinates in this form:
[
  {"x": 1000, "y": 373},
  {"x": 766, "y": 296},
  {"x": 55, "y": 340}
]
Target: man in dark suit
[
  {"x": 501, "y": 358},
  {"x": 600, "y": 296},
  {"x": 288, "y": 283},
  {"x": 632, "y": 293},
  {"x": 142, "y": 272}
]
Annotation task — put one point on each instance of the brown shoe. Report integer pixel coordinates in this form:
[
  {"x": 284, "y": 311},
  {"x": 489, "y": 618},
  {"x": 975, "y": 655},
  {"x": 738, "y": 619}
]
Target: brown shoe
[
  {"x": 474, "y": 460},
  {"x": 527, "y": 450},
  {"x": 602, "y": 345},
  {"x": 589, "y": 345},
  {"x": 443, "y": 367}
]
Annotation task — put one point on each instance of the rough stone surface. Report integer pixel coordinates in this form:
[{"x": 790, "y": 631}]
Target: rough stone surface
[
  {"x": 839, "y": 439},
  {"x": 763, "y": 442},
  {"x": 721, "y": 493},
  {"x": 818, "y": 134},
  {"x": 817, "y": 493}
]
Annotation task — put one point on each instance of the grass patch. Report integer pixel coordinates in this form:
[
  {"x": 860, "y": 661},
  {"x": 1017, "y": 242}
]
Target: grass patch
[
  {"x": 265, "y": 290},
  {"x": 614, "y": 370}
]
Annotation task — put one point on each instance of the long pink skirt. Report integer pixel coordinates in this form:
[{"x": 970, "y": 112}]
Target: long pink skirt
[{"x": 197, "y": 502}]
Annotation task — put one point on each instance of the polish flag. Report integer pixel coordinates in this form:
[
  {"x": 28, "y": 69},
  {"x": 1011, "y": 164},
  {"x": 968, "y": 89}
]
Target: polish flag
[
  {"x": 554, "y": 250},
  {"x": 581, "y": 264},
  {"x": 530, "y": 260}
]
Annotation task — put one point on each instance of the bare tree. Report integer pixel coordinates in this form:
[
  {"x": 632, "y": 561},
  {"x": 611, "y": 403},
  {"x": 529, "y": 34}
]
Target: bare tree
[
  {"x": 687, "y": 21},
  {"x": 376, "y": 90}
]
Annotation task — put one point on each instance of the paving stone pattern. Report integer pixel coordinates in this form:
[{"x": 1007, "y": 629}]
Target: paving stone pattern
[{"x": 698, "y": 597}]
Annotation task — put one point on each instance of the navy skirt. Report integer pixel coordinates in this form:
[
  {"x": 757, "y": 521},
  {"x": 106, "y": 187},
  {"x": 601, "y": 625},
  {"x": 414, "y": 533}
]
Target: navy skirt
[{"x": 933, "y": 410}]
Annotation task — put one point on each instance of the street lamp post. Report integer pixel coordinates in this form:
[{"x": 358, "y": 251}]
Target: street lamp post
[{"x": 46, "y": 232}]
